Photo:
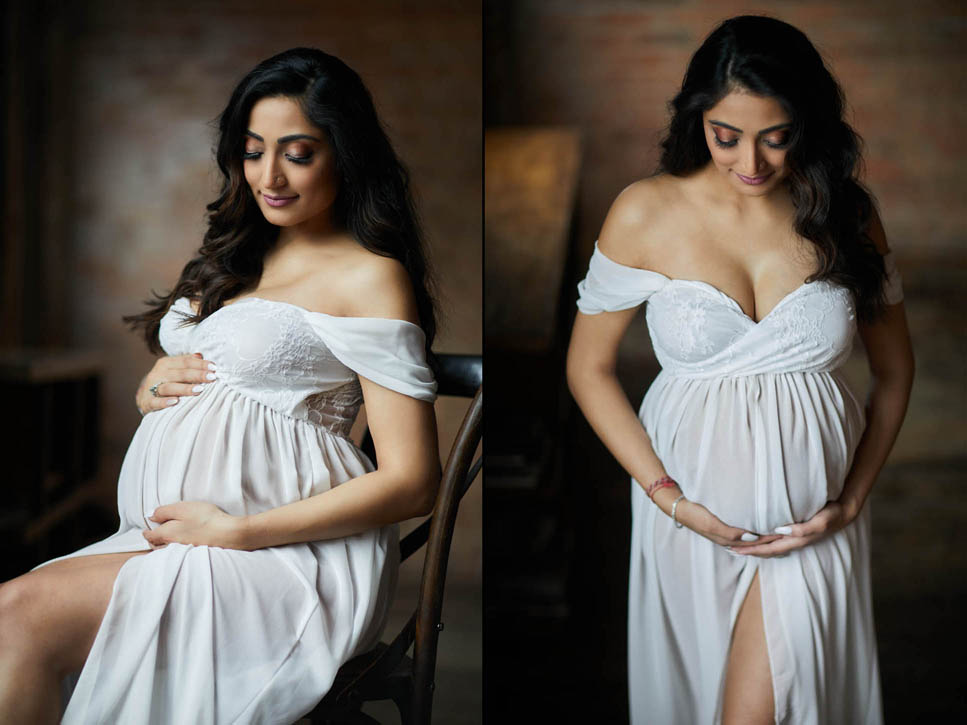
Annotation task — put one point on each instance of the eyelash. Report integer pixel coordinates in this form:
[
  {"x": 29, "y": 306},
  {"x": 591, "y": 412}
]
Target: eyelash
[
  {"x": 294, "y": 159},
  {"x": 729, "y": 144}
]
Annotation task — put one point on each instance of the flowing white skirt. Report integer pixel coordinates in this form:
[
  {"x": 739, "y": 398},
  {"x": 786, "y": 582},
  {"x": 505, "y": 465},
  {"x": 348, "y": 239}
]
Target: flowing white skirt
[
  {"x": 758, "y": 451},
  {"x": 195, "y": 634}
]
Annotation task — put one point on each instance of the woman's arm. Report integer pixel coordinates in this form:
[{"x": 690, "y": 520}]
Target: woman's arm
[
  {"x": 892, "y": 365},
  {"x": 403, "y": 486},
  {"x": 591, "y": 359},
  {"x": 890, "y": 356}
]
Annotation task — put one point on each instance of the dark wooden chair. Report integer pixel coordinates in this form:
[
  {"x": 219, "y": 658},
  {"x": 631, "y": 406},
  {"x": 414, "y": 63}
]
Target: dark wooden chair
[{"x": 388, "y": 672}]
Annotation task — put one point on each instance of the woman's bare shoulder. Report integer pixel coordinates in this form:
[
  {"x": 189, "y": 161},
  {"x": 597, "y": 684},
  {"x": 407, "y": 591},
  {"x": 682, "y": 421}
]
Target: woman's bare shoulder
[
  {"x": 362, "y": 283},
  {"x": 642, "y": 221}
]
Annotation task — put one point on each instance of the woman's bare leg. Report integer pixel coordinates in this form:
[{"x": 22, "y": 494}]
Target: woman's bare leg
[
  {"x": 48, "y": 621},
  {"x": 748, "y": 698}
]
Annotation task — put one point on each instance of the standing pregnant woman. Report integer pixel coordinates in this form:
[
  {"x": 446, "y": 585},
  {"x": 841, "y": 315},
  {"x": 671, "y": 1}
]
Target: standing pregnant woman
[
  {"x": 257, "y": 550},
  {"x": 760, "y": 256}
]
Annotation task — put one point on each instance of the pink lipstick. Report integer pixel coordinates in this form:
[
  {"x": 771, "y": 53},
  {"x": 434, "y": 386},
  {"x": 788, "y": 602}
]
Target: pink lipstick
[
  {"x": 278, "y": 200},
  {"x": 754, "y": 180}
]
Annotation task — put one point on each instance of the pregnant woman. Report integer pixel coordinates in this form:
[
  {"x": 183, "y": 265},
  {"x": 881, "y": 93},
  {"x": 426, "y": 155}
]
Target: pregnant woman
[
  {"x": 257, "y": 547},
  {"x": 760, "y": 255}
]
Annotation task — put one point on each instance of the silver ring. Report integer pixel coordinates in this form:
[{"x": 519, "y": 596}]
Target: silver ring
[
  {"x": 674, "y": 507},
  {"x": 154, "y": 388}
]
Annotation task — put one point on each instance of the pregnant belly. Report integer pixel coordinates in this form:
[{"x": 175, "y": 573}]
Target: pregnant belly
[
  {"x": 757, "y": 451},
  {"x": 230, "y": 450}
]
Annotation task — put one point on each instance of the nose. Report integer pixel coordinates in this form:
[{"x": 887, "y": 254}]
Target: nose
[
  {"x": 751, "y": 159},
  {"x": 272, "y": 176}
]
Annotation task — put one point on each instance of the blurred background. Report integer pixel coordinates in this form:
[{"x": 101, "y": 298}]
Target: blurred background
[
  {"x": 576, "y": 96},
  {"x": 107, "y": 128}
]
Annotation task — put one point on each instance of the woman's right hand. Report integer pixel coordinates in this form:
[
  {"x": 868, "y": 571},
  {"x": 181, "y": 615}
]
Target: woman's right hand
[
  {"x": 699, "y": 519},
  {"x": 178, "y": 375}
]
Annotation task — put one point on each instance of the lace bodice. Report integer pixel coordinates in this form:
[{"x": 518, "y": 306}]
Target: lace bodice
[
  {"x": 699, "y": 331},
  {"x": 300, "y": 363}
]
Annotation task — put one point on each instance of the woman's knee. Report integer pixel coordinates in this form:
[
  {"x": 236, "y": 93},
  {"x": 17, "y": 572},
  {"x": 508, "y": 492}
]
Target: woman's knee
[{"x": 23, "y": 612}]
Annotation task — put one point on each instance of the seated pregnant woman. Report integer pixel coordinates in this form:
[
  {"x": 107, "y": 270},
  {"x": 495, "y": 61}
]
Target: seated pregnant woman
[{"x": 257, "y": 549}]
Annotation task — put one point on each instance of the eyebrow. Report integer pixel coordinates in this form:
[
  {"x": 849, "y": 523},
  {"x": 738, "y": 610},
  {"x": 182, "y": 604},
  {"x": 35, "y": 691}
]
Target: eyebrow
[
  {"x": 739, "y": 130},
  {"x": 284, "y": 139}
]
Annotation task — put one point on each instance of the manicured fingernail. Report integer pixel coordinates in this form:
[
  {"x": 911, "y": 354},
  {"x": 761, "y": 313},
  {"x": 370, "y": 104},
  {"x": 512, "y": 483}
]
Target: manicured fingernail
[
  {"x": 210, "y": 376},
  {"x": 749, "y": 537},
  {"x": 198, "y": 388},
  {"x": 173, "y": 401},
  {"x": 784, "y": 530},
  {"x": 211, "y": 366}
]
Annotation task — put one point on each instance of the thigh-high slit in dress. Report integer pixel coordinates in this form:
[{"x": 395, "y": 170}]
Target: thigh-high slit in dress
[
  {"x": 755, "y": 421},
  {"x": 204, "y": 635}
]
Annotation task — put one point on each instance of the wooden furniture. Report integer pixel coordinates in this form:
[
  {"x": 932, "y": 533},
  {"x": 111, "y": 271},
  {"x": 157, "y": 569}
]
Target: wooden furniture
[
  {"x": 387, "y": 672},
  {"x": 531, "y": 185},
  {"x": 531, "y": 181}
]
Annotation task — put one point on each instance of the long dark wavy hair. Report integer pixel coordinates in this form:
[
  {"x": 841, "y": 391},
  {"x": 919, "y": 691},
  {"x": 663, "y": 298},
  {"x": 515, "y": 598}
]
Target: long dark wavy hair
[
  {"x": 373, "y": 203},
  {"x": 768, "y": 57}
]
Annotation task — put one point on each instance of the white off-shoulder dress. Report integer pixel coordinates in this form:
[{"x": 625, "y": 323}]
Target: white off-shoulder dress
[
  {"x": 756, "y": 422},
  {"x": 197, "y": 634}
]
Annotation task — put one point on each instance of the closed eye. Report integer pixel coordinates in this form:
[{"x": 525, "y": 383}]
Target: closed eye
[{"x": 295, "y": 159}]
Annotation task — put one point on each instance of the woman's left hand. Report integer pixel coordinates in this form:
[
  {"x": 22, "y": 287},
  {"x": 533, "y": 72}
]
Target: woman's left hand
[
  {"x": 829, "y": 519},
  {"x": 196, "y": 523}
]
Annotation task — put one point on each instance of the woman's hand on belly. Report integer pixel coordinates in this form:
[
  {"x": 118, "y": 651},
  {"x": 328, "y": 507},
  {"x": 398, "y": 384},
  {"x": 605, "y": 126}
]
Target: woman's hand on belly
[
  {"x": 173, "y": 377},
  {"x": 699, "y": 519},
  {"x": 828, "y": 520},
  {"x": 194, "y": 522}
]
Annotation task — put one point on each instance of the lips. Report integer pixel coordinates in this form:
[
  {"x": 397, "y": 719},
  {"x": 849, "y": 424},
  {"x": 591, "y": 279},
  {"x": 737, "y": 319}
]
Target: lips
[
  {"x": 279, "y": 200},
  {"x": 754, "y": 180}
]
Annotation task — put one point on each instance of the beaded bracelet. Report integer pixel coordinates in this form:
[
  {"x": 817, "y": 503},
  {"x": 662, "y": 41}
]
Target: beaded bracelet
[{"x": 660, "y": 483}]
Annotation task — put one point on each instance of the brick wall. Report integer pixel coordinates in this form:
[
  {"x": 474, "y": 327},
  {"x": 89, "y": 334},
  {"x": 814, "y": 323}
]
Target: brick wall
[
  {"x": 148, "y": 79},
  {"x": 609, "y": 67}
]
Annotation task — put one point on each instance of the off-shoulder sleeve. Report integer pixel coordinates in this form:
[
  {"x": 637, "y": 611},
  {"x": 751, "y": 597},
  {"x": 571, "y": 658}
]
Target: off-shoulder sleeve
[
  {"x": 391, "y": 353},
  {"x": 610, "y": 286},
  {"x": 893, "y": 287}
]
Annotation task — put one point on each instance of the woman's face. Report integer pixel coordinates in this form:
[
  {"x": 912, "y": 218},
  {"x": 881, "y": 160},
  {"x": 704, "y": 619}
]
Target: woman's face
[
  {"x": 748, "y": 136},
  {"x": 289, "y": 165}
]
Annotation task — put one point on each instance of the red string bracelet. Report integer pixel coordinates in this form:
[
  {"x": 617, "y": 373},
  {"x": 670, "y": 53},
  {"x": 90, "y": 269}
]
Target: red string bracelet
[{"x": 663, "y": 482}]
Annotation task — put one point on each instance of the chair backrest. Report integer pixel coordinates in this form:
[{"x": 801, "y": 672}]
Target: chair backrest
[
  {"x": 460, "y": 375},
  {"x": 374, "y": 676},
  {"x": 460, "y": 471}
]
